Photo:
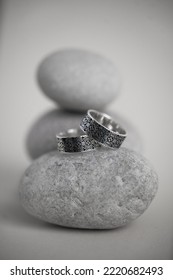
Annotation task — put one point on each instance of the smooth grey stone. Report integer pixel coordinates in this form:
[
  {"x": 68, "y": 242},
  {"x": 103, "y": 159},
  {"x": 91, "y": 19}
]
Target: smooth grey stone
[
  {"x": 78, "y": 79},
  {"x": 41, "y": 137},
  {"x": 102, "y": 189}
]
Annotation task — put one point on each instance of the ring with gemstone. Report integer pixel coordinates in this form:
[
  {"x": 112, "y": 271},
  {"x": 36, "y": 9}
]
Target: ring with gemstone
[
  {"x": 73, "y": 140},
  {"x": 103, "y": 129}
]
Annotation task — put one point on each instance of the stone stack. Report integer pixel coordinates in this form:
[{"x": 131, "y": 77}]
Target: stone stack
[{"x": 99, "y": 189}]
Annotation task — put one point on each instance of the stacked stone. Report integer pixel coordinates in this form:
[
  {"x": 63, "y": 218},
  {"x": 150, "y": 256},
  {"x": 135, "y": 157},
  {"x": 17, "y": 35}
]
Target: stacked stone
[{"x": 99, "y": 189}]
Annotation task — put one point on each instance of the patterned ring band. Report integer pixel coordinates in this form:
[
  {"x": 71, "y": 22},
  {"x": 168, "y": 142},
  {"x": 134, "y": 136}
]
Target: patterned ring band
[
  {"x": 73, "y": 140},
  {"x": 103, "y": 129}
]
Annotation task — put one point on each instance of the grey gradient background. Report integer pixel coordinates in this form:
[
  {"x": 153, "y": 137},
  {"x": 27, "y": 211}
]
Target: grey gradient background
[{"x": 138, "y": 36}]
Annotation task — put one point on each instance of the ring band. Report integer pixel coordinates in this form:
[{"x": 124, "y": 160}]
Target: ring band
[
  {"x": 73, "y": 140},
  {"x": 103, "y": 129}
]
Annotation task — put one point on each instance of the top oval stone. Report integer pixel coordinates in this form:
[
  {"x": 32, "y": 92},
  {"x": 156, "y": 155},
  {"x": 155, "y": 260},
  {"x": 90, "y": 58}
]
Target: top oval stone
[{"x": 78, "y": 79}]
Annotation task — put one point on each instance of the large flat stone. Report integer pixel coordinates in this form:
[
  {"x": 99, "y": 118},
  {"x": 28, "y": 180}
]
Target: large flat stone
[{"x": 101, "y": 189}]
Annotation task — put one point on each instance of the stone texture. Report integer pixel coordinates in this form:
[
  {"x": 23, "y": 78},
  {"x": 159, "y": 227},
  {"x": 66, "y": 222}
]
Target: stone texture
[
  {"x": 78, "y": 79},
  {"x": 101, "y": 189},
  {"x": 41, "y": 136}
]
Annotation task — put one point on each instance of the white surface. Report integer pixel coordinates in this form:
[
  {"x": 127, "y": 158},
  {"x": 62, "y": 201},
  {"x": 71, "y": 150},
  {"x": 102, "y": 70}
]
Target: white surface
[{"x": 137, "y": 36}]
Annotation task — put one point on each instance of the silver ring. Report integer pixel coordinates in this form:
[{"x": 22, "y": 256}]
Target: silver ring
[
  {"x": 103, "y": 129},
  {"x": 73, "y": 140}
]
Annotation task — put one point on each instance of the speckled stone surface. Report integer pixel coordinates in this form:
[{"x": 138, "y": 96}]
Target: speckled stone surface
[
  {"x": 41, "y": 136},
  {"x": 95, "y": 190},
  {"x": 78, "y": 79}
]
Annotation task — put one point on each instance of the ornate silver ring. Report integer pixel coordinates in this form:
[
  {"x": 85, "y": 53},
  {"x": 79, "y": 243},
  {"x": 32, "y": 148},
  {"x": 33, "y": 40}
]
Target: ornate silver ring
[
  {"x": 103, "y": 129},
  {"x": 73, "y": 140}
]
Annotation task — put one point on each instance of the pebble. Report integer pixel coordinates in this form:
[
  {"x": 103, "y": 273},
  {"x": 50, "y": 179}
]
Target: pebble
[
  {"x": 102, "y": 189},
  {"x": 41, "y": 136},
  {"x": 78, "y": 79}
]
